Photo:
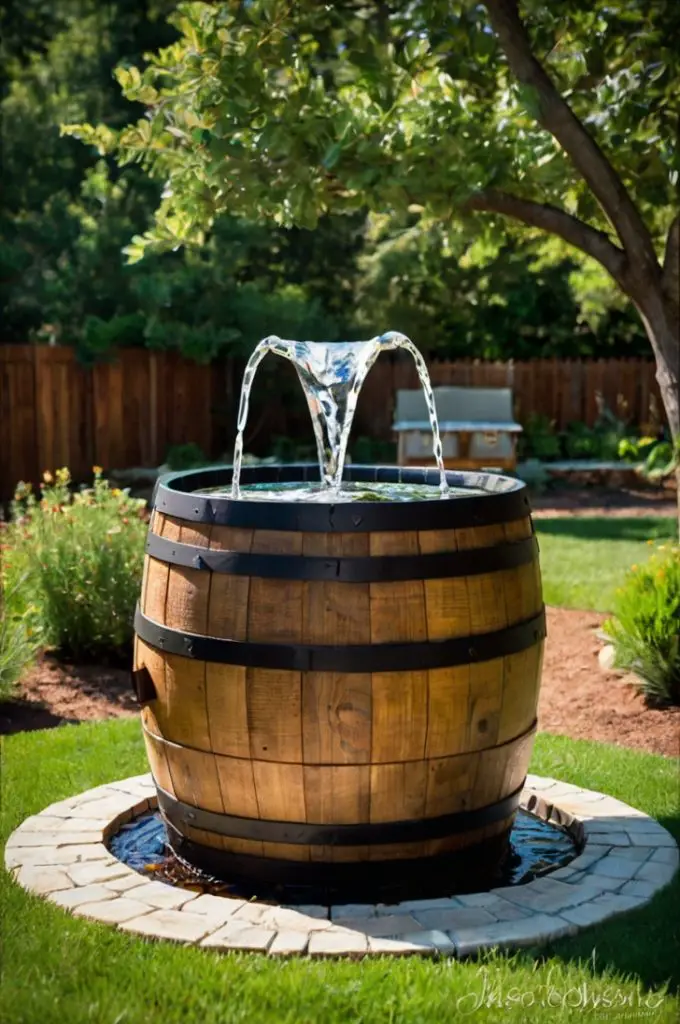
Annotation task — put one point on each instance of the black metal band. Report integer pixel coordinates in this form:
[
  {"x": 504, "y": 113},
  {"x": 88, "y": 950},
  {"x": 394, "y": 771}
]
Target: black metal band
[
  {"x": 178, "y": 494},
  {"x": 382, "y": 568},
  {"x": 183, "y": 816},
  {"x": 392, "y": 657}
]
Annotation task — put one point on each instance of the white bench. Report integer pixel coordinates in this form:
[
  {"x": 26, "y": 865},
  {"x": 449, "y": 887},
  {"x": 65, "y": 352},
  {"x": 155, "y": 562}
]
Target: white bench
[{"x": 477, "y": 427}]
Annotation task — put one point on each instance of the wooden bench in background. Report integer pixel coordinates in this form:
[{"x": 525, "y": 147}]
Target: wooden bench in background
[{"x": 477, "y": 427}]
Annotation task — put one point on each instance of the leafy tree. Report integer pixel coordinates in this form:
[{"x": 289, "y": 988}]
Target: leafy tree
[
  {"x": 66, "y": 213},
  {"x": 562, "y": 118},
  {"x": 462, "y": 300}
]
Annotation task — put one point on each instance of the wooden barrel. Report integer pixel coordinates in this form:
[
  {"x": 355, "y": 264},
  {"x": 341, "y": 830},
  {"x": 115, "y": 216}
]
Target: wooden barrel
[{"x": 344, "y": 694}]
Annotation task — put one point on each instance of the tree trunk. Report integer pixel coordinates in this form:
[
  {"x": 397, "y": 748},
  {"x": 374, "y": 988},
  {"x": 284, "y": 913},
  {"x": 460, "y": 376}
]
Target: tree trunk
[{"x": 661, "y": 317}]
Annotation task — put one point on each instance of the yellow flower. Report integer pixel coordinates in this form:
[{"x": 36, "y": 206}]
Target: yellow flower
[
  {"x": 47, "y": 477},
  {"x": 97, "y": 470},
  {"x": 660, "y": 575},
  {"x": 116, "y": 491},
  {"x": 634, "y": 568}
]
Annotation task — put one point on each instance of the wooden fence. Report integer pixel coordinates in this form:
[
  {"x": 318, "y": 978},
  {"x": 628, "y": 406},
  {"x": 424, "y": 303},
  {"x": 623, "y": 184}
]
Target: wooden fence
[{"x": 54, "y": 412}]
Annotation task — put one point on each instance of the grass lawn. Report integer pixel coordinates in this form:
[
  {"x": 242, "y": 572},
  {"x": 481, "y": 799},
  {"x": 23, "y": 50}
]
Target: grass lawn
[
  {"x": 583, "y": 561},
  {"x": 56, "y": 968}
]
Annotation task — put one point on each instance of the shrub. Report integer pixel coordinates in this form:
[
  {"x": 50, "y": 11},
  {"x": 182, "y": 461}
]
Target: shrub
[
  {"x": 185, "y": 456},
  {"x": 645, "y": 630},
  {"x": 657, "y": 457},
  {"x": 19, "y": 642},
  {"x": 80, "y": 556},
  {"x": 539, "y": 439}
]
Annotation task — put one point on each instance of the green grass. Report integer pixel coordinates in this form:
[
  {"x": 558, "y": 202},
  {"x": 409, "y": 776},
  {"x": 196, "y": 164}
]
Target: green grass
[
  {"x": 56, "y": 968},
  {"x": 583, "y": 561}
]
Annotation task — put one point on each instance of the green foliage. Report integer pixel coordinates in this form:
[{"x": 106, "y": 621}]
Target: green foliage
[
  {"x": 77, "y": 559},
  {"x": 372, "y": 452},
  {"x": 283, "y": 112},
  {"x": 18, "y": 641},
  {"x": 463, "y": 288},
  {"x": 463, "y": 298},
  {"x": 185, "y": 456},
  {"x": 657, "y": 458},
  {"x": 645, "y": 629},
  {"x": 539, "y": 439}
]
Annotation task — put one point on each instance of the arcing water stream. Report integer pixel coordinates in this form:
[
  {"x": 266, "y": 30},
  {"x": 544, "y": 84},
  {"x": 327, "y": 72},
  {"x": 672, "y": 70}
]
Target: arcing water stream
[{"x": 332, "y": 375}]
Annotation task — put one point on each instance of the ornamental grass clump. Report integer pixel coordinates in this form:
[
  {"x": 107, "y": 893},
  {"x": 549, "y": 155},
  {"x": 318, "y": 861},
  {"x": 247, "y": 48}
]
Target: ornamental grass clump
[
  {"x": 79, "y": 556},
  {"x": 645, "y": 630}
]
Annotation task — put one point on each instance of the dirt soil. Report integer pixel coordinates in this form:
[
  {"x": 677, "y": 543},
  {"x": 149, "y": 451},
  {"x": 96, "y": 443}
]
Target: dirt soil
[
  {"x": 578, "y": 698},
  {"x": 52, "y": 693}
]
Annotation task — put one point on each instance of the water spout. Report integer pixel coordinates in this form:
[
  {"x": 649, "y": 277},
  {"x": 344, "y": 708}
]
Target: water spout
[{"x": 332, "y": 375}]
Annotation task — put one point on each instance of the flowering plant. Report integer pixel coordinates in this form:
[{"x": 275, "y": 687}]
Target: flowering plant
[{"x": 80, "y": 555}]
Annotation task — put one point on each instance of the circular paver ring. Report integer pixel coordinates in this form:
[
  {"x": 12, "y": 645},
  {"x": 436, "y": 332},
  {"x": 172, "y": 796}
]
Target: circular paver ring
[{"x": 626, "y": 857}]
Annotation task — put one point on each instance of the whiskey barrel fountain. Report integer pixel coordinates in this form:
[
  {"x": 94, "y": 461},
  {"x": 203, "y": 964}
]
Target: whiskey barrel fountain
[{"x": 339, "y": 680}]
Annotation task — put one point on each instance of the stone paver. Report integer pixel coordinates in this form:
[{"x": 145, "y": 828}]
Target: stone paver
[
  {"x": 75, "y": 897},
  {"x": 656, "y": 871},
  {"x": 85, "y": 874},
  {"x": 114, "y": 911},
  {"x": 289, "y": 943},
  {"x": 503, "y": 910},
  {"x": 252, "y": 937},
  {"x": 343, "y": 910},
  {"x": 626, "y": 858},
  {"x": 655, "y": 839},
  {"x": 531, "y": 931},
  {"x": 457, "y": 917},
  {"x": 285, "y": 919},
  {"x": 638, "y": 887},
  {"x": 52, "y": 838},
  {"x": 666, "y": 855},
  {"x": 614, "y": 867},
  {"x": 608, "y": 838},
  {"x": 337, "y": 942},
  {"x": 443, "y": 903},
  {"x": 160, "y": 895},
  {"x": 44, "y": 879},
  {"x": 124, "y": 882},
  {"x": 310, "y": 909},
  {"x": 602, "y": 908},
  {"x": 217, "y": 908},
  {"x": 383, "y": 927},
  {"x": 180, "y": 926},
  {"x": 433, "y": 941}
]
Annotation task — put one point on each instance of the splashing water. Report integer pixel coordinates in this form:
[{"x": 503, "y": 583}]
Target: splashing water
[{"x": 332, "y": 375}]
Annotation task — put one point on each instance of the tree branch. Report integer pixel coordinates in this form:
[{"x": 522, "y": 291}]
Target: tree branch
[
  {"x": 671, "y": 263},
  {"x": 556, "y": 116},
  {"x": 557, "y": 222}
]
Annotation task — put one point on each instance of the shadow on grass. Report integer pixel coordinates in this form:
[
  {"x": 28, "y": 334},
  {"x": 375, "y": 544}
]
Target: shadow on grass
[{"x": 600, "y": 528}]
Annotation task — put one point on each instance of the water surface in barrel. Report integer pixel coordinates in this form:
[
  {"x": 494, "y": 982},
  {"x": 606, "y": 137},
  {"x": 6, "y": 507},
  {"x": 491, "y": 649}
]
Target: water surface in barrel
[{"x": 348, "y": 492}]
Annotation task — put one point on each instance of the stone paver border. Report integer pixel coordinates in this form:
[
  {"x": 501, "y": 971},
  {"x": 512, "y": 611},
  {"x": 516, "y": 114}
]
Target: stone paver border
[{"x": 625, "y": 858}]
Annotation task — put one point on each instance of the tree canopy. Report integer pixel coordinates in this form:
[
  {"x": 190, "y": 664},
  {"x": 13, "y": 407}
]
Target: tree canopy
[
  {"x": 285, "y": 112},
  {"x": 561, "y": 117},
  {"x": 259, "y": 119}
]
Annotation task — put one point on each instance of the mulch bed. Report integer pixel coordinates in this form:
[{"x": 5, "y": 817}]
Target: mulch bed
[{"x": 578, "y": 698}]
